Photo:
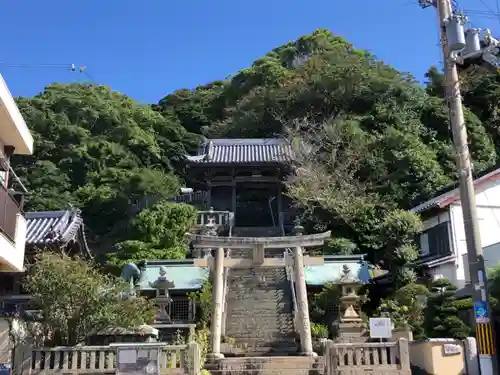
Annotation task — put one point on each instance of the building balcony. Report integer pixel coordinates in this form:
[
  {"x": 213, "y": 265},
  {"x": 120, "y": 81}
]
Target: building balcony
[
  {"x": 13, "y": 130},
  {"x": 12, "y": 231}
]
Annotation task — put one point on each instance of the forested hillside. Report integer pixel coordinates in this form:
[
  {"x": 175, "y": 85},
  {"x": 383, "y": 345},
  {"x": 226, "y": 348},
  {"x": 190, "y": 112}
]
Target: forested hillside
[{"x": 381, "y": 141}]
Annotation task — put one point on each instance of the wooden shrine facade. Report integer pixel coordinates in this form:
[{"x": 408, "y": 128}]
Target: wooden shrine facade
[{"x": 245, "y": 176}]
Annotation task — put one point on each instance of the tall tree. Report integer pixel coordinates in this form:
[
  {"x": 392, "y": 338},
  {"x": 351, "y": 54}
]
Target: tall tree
[{"x": 75, "y": 300}]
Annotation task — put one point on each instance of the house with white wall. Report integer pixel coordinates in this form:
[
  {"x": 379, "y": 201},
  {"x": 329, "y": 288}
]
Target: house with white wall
[
  {"x": 443, "y": 250},
  {"x": 15, "y": 139}
]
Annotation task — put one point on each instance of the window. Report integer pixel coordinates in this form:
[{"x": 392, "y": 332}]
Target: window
[{"x": 436, "y": 240}]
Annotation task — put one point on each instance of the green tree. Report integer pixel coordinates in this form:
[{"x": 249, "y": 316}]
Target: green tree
[
  {"x": 322, "y": 305},
  {"x": 406, "y": 308},
  {"x": 101, "y": 151},
  {"x": 441, "y": 318},
  {"x": 397, "y": 234},
  {"x": 75, "y": 300},
  {"x": 156, "y": 233}
]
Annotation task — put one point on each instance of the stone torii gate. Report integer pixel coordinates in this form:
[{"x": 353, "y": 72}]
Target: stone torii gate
[{"x": 258, "y": 245}]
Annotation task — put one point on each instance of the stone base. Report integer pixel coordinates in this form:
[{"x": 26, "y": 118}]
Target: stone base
[
  {"x": 351, "y": 332},
  {"x": 214, "y": 357},
  {"x": 309, "y": 354}
]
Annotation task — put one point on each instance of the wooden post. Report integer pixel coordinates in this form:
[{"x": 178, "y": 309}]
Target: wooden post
[
  {"x": 280, "y": 207},
  {"x": 233, "y": 198}
]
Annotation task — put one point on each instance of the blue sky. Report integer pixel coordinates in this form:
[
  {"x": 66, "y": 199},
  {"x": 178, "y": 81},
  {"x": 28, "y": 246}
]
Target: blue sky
[{"x": 148, "y": 48}]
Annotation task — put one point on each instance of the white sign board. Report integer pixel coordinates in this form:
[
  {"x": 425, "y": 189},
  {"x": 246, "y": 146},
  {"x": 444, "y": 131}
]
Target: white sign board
[
  {"x": 380, "y": 328},
  {"x": 450, "y": 349}
]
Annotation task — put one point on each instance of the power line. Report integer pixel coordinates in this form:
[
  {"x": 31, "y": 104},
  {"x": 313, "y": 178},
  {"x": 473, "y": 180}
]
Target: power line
[{"x": 82, "y": 69}]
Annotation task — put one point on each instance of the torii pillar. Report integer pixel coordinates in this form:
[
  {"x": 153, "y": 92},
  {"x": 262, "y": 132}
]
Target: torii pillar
[{"x": 258, "y": 245}]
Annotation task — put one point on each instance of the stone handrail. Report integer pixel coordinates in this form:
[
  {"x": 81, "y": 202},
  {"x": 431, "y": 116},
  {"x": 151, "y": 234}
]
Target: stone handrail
[
  {"x": 220, "y": 219},
  {"x": 291, "y": 278},
  {"x": 174, "y": 359}
]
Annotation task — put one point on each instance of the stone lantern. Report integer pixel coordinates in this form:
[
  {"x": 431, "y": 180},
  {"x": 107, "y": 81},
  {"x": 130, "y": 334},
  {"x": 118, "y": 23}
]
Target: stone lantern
[
  {"x": 349, "y": 325},
  {"x": 163, "y": 300}
]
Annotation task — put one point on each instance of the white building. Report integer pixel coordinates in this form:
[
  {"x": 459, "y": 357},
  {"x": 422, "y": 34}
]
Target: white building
[
  {"x": 442, "y": 242},
  {"x": 15, "y": 138}
]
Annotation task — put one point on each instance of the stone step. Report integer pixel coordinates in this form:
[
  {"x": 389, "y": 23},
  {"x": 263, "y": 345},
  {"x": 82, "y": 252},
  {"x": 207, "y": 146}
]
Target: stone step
[{"x": 276, "y": 365}]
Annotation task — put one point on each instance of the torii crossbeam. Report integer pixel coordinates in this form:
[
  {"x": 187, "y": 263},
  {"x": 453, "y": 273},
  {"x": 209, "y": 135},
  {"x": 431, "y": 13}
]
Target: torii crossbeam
[{"x": 258, "y": 245}]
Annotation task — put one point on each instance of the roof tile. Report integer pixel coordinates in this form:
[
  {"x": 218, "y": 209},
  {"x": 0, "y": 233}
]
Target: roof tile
[{"x": 257, "y": 150}]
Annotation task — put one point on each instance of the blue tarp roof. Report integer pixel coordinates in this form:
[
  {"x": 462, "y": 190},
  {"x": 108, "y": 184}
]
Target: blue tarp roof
[
  {"x": 188, "y": 277},
  {"x": 331, "y": 270},
  {"x": 182, "y": 273}
]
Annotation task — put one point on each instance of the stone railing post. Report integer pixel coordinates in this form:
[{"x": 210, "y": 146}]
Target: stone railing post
[
  {"x": 217, "y": 300},
  {"x": 404, "y": 356},
  {"x": 331, "y": 358},
  {"x": 303, "y": 305},
  {"x": 194, "y": 356}
]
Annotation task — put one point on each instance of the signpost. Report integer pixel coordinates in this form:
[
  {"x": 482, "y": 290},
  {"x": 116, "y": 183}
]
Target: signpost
[{"x": 380, "y": 328}]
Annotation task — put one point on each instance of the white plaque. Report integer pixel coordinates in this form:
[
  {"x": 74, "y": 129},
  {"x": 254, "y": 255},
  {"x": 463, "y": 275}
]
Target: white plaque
[
  {"x": 380, "y": 328},
  {"x": 127, "y": 356},
  {"x": 450, "y": 349}
]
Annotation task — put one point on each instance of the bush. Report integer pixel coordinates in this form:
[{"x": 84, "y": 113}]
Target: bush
[
  {"x": 319, "y": 331},
  {"x": 76, "y": 300},
  {"x": 441, "y": 320}
]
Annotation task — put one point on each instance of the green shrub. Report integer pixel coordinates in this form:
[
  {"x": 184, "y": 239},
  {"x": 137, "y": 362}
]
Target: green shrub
[{"x": 319, "y": 331}]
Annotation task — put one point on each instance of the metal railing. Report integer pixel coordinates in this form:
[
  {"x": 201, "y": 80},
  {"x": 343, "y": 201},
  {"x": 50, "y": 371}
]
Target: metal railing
[{"x": 10, "y": 207}]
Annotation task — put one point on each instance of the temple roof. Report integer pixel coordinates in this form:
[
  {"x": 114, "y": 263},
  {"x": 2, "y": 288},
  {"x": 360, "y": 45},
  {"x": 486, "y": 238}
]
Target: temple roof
[
  {"x": 243, "y": 151},
  {"x": 49, "y": 229}
]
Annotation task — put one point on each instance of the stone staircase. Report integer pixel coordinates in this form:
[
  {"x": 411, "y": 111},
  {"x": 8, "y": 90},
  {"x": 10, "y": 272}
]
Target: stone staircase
[
  {"x": 271, "y": 366},
  {"x": 259, "y": 307}
]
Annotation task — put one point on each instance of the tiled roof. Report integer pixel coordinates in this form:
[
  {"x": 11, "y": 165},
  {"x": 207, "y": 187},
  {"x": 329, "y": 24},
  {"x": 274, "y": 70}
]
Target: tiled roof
[
  {"x": 432, "y": 260},
  {"x": 55, "y": 228},
  {"x": 451, "y": 194},
  {"x": 239, "y": 151}
]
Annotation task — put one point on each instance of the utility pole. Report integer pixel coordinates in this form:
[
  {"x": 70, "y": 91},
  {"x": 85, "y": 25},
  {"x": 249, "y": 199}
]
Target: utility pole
[{"x": 478, "y": 276}]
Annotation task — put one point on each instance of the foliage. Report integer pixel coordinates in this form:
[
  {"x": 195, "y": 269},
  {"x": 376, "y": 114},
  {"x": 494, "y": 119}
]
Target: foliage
[
  {"x": 340, "y": 246},
  {"x": 203, "y": 300},
  {"x": 494, "y": 288},
  {"x": 464, "y": 304},
  {"x": 370, "y": 142},
  {"x": 369, "y": 139},
  {"x": 76, "y": 300},
  {"x": 101, "y": 151},
  {"x": 319, "y": 330},
  {"x": 405, "y": 309},
  {"x": 156, "y": 233},
  {"x": 322, "y": 305},
  {"x": 397, "y": 233},
  {"x": 441, "y": 318}
]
